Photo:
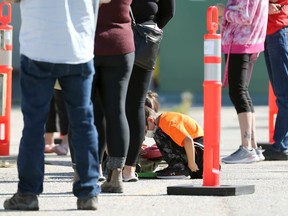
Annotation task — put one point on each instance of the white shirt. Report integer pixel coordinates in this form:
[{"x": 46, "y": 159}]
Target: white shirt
[{"x": 58, "y": 31}]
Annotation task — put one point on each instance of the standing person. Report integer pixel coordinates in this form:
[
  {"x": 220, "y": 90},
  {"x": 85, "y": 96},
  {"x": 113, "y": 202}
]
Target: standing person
[
  {"x": 156, "y": 13},
  {"x": 58, "y": 112},
  {"x": 243, "y": 33},
  {"x": 276, "y": 57},
  {"x": 67, "y": 55},
  {"x": 114, "y": 58},
  {"x": 176, "y": 135}
]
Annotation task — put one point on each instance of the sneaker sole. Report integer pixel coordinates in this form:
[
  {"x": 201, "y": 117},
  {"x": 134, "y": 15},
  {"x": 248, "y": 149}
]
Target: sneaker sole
[
  {"x": 31, "y": 207},
  {"x": 241, "y": 161}
]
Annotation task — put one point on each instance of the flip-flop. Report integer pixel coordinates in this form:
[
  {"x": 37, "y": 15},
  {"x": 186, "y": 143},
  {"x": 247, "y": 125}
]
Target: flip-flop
[{"x": 131, "y": 178}]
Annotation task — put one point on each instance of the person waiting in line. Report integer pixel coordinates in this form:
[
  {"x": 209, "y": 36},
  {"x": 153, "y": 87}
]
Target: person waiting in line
[
  {"x": 180, "y": 141},
  {"x": 57, "y": 116},
  {"x": 276, "y": 59},
  {"x": 47, "y": 54},
  {"x": 114, "y": 59},
  {"x": 157, "y": 14},
  {"x": 243, "y": 33}
]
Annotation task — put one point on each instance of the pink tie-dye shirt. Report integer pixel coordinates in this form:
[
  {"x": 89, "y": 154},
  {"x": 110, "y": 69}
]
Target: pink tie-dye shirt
[
  {"x": 244, "y": 26},
  {"x": 243, "y": 30}
]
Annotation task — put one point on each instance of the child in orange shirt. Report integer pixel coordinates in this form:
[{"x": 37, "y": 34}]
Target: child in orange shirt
[{"x": 180, "y": 141}]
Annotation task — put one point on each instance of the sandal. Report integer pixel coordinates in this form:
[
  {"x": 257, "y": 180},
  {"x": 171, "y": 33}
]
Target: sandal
[{"x": 130, "y": 178}]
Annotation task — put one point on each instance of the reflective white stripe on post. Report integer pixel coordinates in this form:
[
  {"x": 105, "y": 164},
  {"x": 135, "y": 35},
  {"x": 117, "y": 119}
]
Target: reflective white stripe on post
[{"x": 211, "y": 72}]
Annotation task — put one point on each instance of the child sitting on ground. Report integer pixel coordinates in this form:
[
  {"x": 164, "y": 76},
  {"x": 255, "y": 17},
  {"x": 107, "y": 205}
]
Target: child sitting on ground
[{"x": 180, "y": 141}]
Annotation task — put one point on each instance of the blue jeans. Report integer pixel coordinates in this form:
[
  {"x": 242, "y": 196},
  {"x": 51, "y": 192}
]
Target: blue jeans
[
  {"x": 37, "y": 83},
  {"x": 276, "y": 56}
]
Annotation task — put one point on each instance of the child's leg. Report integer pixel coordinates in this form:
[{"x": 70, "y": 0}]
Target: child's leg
[{"x": 171, "y": 152}]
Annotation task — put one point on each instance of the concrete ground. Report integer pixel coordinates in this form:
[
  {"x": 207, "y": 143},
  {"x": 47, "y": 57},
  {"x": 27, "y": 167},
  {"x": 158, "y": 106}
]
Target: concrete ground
[{"x": 149, "y": 196}]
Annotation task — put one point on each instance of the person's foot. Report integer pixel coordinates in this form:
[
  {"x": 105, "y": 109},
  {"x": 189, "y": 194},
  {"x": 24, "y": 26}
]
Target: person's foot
[
  {"x": 129, "y": 174},
  {"x": 259, "y": 152},
  {"x": 132, "y": 178},
  {"x": 272, "y": 154},
  {"x": 177, "y": 171},
  {"x": 113, "y": 184},
  {"x": 241, "y": 156},
  {"x": 87, "y": 204},
  {"x": 61, "y": 149},
  {"x": 22, "y": 202},
  {"x": 49, "y": 148}
]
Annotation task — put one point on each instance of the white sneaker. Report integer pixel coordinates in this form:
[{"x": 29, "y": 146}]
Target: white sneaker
[
  {"x": 259, "y": 152},
  {"x": 241, "y": 156}
]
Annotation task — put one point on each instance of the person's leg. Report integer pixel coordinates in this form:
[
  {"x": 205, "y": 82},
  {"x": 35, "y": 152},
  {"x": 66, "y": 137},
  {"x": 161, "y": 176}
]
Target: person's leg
[
  {"x": 276, "y": 57},
  {"x": 50, "y": 128},
  {"x": 135, "y": 103},
  {"x": 239, "y": 66},
  {"x": 174, "y": 155},
  {"x": 36, "y": 93},
  {"x": 61, "y": 149},
  {"x": 99, "y": 118},
  {"x": 113, "y": 85},
  {"x": 81, "y": 123}
]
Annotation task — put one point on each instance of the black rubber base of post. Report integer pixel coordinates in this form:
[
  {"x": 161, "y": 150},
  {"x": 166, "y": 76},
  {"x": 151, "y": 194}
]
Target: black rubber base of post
[
  {"x": 264, "y": 145},
  {"x": 222, "y": 190}
]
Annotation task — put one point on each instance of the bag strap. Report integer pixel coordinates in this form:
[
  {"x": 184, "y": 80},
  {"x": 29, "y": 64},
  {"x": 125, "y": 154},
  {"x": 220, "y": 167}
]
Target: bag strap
[{"x": 132, "y": 17}]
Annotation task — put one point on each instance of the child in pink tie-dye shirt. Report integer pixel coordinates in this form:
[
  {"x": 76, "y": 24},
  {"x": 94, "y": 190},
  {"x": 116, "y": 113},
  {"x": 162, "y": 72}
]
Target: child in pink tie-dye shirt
[{"x": 243, "y": 34}]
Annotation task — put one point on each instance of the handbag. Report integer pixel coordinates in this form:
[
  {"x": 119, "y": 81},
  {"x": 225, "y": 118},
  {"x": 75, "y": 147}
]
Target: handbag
[{"x": 147, "y": 44}]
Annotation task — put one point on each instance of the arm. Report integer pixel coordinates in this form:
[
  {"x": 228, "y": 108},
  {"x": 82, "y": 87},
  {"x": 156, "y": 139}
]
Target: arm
[
  {"x": 190, "y": 152},
  {"x": 242, "y": 14},
  {"x": 166, "y": 10}
]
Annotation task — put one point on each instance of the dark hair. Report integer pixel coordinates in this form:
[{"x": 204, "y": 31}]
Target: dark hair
[{"x": 151, "y": 101}]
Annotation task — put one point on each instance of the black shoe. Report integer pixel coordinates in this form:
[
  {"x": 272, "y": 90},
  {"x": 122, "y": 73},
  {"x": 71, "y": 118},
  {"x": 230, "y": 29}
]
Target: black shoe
[
  {"x": 22, "y": 202},
  {"x": 177, "y": 171},
  {"x": 272, "y": 154},
  {"x": 87, "y": 204}
]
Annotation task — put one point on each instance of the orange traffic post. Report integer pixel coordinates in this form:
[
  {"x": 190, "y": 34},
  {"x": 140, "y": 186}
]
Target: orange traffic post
[
  {"x": 212, "y": 86},
  {"x": 5, "y": 77},
  {"x": 273, "y": 110},
  {"x": 272, "y": 114},
  {"x": 212, "y": 100}
]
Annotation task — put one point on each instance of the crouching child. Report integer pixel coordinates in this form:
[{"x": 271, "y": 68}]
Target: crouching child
[{"x": 180, "y": 141}]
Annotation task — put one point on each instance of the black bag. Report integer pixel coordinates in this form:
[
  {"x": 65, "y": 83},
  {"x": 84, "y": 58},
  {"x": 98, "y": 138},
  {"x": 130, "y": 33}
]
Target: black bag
[{"x": 147, "y": 43}]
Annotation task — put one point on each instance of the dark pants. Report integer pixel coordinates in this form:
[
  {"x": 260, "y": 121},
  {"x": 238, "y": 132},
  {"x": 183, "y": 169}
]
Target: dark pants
[
  {"x": 238, "y": 78},
  {"x": 173, "y": 154},
  {"x": 135, "y": 104},
  {"x": 57, "y": 108}
]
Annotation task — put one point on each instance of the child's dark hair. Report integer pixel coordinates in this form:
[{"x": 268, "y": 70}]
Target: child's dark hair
[{"x": 151, "y": 101}]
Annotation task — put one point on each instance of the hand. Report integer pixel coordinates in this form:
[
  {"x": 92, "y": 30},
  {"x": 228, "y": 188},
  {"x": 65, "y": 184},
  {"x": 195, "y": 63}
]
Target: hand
[
  {"x": 221, "y": 8},
  {"x": 274, "y": 9},
  {"x": 193, "y": 167}
]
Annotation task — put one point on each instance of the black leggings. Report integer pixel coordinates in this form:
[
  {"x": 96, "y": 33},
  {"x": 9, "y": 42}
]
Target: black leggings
[
  {"x": 135, "y": 103},
  {"x": 57, "y": 108},
  {"x": 109, "y": 96},
  {"x": 238, "y": 79}
]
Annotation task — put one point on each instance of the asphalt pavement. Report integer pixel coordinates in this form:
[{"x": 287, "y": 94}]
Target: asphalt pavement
[{"x": 149, "y": 196}]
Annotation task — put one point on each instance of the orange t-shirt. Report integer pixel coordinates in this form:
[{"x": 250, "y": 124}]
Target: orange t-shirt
[{"x": 178, "y": 126}]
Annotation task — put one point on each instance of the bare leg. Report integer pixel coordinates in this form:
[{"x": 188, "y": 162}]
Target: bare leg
[{"x": 246, "y": 123}]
